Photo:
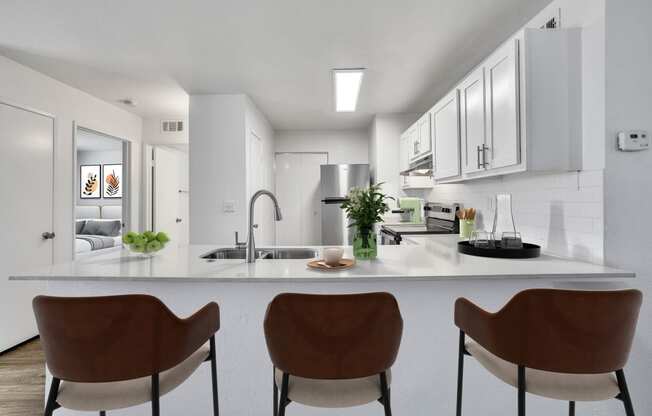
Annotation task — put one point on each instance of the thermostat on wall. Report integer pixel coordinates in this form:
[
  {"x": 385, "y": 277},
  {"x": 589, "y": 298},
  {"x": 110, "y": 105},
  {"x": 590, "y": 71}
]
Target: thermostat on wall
[{"x": 633, "y": 141}]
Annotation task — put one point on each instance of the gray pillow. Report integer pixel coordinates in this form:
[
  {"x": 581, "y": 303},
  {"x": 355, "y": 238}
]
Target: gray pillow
[
  {"x": 106, "y": 228},
  {"x": 79, "y": 226}
]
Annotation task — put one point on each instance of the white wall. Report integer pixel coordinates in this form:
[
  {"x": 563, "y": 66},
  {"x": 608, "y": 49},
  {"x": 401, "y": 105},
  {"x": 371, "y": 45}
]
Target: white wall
[
  {"x": 342, "y": 146},
  {"x": 561, "y": 211},
  {"x": 152, "y": 133},
  {"x": 24, "y": 86},
  {"x": 628, "y": 182},
  {"x": 220, "y": 126}
]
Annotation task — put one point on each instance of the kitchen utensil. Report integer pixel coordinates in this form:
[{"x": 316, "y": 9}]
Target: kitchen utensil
[{"x": 321, "y": 265}]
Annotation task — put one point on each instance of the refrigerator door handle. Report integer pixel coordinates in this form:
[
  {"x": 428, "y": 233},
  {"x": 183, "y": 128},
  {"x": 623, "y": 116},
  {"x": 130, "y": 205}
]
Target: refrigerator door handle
[{"x": 334, "y": 200}]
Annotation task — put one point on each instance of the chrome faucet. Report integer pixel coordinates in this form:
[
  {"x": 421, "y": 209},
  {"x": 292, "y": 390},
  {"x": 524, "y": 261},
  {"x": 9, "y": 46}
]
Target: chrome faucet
[{"x": 251, "y": 245}]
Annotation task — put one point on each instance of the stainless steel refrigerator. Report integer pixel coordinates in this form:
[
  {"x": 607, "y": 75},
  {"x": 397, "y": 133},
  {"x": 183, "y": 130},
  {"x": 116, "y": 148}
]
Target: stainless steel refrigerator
[{"x": 336, "y": 181}]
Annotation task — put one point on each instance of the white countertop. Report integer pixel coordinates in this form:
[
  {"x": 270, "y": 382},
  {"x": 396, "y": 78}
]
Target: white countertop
[{"x": 434, "y": 258}]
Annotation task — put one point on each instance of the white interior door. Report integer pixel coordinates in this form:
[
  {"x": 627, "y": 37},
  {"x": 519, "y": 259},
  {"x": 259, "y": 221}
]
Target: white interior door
[
  {"x": 26, "y": 169},
  {"x": 298, "y": 182},
  {"x": 170, "y": 199}
]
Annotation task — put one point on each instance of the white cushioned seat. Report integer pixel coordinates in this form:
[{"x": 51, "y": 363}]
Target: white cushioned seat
[
  {"x": 121, "y": 394},
  {"x": 333, "y": 393},
  {"x": 561, "y": 386}
]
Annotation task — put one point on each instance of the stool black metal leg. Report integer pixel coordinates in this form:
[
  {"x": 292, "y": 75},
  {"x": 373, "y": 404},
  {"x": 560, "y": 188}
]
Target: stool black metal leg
[
  {"x": 155, "y": 396},
  {"x": 624, "y": 393},
  {"x": 102, "y": 413},
  {"x": 571, "y": 408},
  {"x": 275, "y": 390},
  {"x": 284, "y": 394},
  {"x": 213, "y": 353},
  {"x": 384, "y": 389},
  {"x": 460, "y": 372},
  {"x": 521, "y": 390},
  {"x": 51, "y": 405}
]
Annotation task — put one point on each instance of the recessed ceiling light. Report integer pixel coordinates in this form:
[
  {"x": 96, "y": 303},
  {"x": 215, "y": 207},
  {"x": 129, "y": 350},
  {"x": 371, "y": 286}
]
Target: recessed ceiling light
[
  {"x": 347, "y": 88},
  {"x": 128, "y": 101}
]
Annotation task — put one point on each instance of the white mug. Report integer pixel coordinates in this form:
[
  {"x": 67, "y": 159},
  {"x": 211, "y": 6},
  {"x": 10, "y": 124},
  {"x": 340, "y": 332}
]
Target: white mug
[{"x": 333, "y": 255}]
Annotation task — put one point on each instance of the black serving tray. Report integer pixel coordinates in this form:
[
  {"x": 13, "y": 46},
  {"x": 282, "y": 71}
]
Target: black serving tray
[{"x": 528, "y": 251}]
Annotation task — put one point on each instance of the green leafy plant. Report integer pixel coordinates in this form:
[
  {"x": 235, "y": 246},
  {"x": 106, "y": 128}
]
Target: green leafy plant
[
  {"x": 147, "y": 242},
  {"x": 365, "y": 206}
]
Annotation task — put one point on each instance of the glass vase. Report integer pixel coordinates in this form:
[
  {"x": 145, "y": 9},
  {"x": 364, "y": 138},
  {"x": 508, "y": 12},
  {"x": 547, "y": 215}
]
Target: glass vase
[{"x": 365, "y": 246}]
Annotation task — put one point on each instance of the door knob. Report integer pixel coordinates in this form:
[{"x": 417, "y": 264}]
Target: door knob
[{"x": 48, "y": 235}]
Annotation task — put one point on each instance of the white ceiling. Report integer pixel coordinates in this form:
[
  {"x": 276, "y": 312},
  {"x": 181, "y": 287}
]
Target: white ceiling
[{"x": 279, "y": 52}]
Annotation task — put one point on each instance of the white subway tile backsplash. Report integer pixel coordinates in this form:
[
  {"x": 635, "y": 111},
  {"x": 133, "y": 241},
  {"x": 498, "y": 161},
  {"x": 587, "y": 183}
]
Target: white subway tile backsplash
[{"x": 563, "y": 212}]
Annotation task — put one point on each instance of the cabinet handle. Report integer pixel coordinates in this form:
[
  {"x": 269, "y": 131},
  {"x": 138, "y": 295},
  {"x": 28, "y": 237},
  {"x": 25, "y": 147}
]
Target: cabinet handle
[
  {"x": 478, "y": 153},
  {"x": 484, "y": 155},
  {"x": 48, "y": 235}
]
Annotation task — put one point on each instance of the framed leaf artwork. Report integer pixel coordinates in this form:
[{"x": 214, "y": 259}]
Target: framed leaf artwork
[
  {"x": 112, "y": 175},
  {"x": 90, "y": 182}
]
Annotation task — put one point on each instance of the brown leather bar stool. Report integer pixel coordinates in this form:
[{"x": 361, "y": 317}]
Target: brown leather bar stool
[
  {"x": 332, "y": 351},
  {"x": 559, "y": 344},
  {"x": 112, "y": 352}
]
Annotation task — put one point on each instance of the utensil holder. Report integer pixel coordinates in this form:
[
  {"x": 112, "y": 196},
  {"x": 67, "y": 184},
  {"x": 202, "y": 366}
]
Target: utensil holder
[{"x": 466, "y": 228}]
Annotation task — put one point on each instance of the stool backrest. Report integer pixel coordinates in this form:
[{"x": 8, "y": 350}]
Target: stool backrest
[
  {"x": 333, "y": 336},
  {"x": 566, "y": 331},
  {"x": 115, "y": 338}
]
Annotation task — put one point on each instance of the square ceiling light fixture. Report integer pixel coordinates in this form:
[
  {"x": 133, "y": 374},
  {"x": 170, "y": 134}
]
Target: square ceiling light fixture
[{"x": 347, "y": 83}]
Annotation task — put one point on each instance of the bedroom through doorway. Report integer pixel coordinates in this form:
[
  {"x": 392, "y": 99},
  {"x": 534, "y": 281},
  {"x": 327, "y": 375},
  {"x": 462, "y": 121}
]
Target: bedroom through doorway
[{"x": 101, "y": 191}]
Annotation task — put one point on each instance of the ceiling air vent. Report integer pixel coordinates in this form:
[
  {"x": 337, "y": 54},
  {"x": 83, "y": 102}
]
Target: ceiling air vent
[{"x": 171, "y": 126}]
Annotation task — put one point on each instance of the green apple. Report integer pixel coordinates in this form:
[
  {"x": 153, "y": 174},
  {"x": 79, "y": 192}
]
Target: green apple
[
  {"x": 138, "y": 247},
  {"x": 129, "y": 238},
  {"x": 149, "y": 235},
  {"x": 140, "y": 239},
  {"x": 162, "y": 237},
  {"x": 153, "y": 246}
]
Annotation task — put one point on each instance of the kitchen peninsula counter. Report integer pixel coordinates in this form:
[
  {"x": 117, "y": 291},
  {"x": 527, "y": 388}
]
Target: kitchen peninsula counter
[
  {"x": 426, "y": 279},
  {"x": 436, "y": 258}
]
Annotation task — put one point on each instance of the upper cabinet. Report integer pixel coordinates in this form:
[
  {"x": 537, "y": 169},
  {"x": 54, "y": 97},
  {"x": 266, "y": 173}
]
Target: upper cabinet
[
  {"x": 503, "y": 140},
  {"x": 421, "y": 140},
  {"x": 446, "y": 136},
  {"x": 520, "y": 110},
  {"x": 472, "y": 122}
]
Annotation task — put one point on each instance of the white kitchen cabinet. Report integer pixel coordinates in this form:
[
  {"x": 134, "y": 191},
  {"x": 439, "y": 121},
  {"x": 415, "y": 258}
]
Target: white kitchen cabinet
[
  {"x": 472, "y": 121},
  {"x": 421, "y": 142},
  {"x": 503, "y": 137},
  {"x": 446, "y": 136},
  {"x": 406, "y": 151}
]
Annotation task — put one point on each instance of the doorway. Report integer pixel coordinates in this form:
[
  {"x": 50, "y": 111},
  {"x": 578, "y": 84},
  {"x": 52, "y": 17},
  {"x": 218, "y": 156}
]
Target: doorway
[
  {"x": 101, "y": 191},
  {"x": 168, "y": 192},
  {"x": 298, "y": 191}
]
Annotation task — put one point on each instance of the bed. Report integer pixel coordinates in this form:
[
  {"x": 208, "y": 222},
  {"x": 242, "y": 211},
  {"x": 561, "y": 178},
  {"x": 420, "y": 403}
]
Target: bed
[{"x": 97, "y": 228}]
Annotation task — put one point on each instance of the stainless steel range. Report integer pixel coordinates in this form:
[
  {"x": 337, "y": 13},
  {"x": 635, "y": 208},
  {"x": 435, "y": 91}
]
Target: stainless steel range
[{"x": 440, "y": 219}]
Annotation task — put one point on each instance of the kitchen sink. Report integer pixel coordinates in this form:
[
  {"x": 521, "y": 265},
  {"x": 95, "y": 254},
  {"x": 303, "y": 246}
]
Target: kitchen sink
[{"x": 262, "y": 253}]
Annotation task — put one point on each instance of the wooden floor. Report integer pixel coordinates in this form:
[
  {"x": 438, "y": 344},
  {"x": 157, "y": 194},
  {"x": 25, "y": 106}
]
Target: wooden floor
[{"x": 22, "y": 381}]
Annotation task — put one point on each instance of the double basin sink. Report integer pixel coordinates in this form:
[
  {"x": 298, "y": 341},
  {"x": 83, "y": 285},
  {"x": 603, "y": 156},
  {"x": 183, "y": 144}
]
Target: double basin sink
[{"x": 262, "y": 253}]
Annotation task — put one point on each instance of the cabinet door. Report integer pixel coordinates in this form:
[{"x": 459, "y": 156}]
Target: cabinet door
[
  {"x": 472, "y": 121},
  {"x": 425, "y": 140},
  {"x": 413, "y": 133},
  {"x": 446, "y": 135},
  {"x": 503, "y": 125}
]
